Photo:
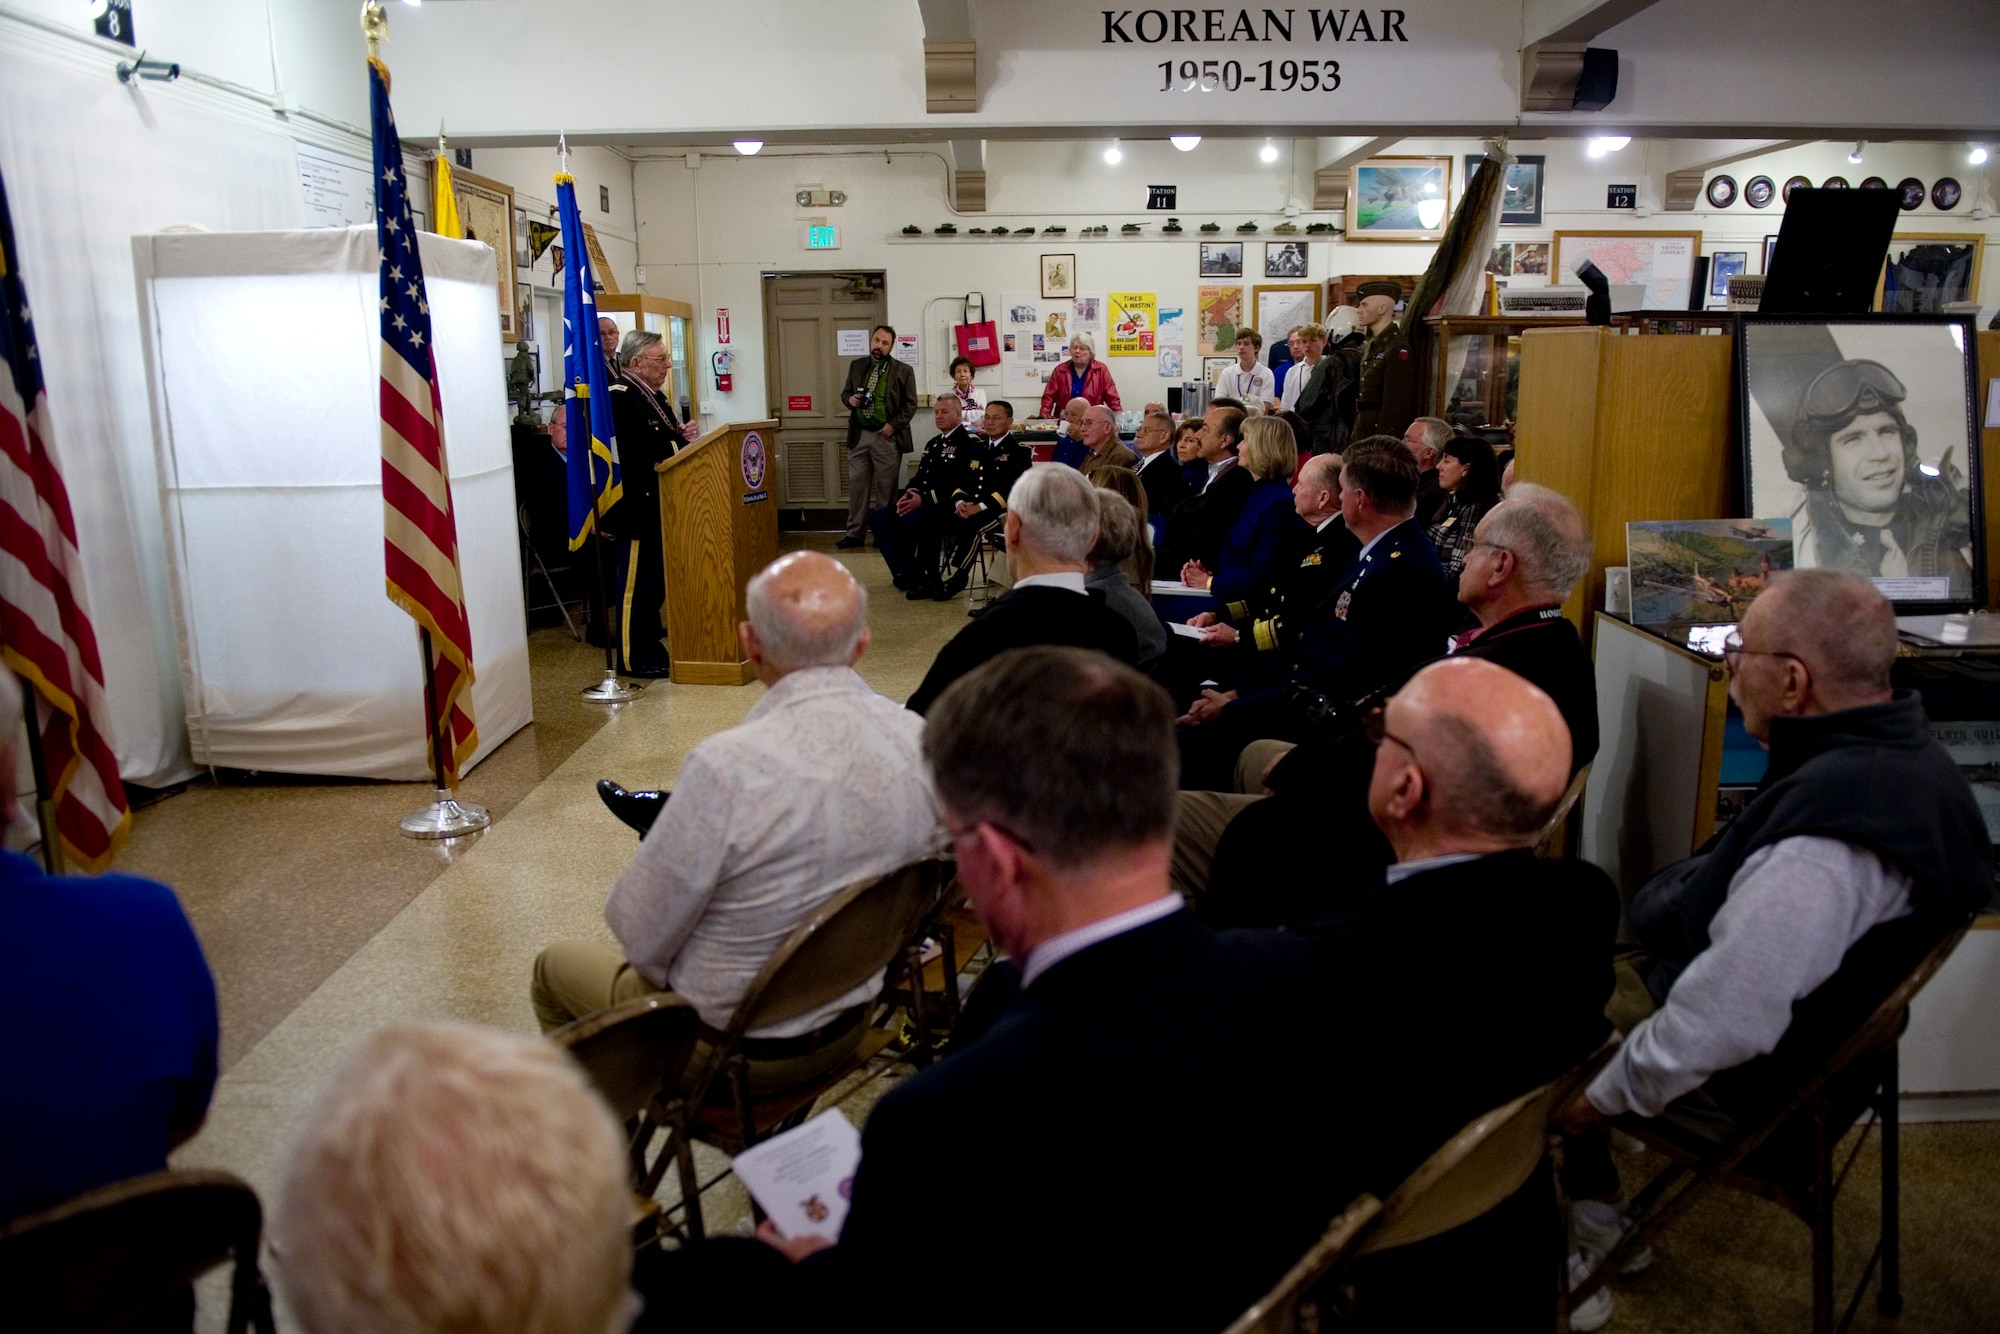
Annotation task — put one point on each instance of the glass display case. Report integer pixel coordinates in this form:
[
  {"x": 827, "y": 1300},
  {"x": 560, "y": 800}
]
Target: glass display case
[{"x": 1477, "y": 381}]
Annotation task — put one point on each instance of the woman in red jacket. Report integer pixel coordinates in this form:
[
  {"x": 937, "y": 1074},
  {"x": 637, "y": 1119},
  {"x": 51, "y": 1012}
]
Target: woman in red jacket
[{"x": 1082, "y": 377}]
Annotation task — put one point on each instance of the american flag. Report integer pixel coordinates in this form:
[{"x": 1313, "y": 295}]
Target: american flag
[
  {"x": 45, "y": 630},
  {"x": 594, "y": 481},
  {"x": 420, "y": 534}
]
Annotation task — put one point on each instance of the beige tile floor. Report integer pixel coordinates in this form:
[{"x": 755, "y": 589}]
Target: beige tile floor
[{"x": 322, "y": 924}]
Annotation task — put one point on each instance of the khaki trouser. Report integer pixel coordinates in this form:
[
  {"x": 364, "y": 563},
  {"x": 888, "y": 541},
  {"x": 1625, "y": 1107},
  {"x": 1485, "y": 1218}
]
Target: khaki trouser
[
  {"x": 1200, "y": 818},
  {"x": 872, "y": 468},
  {"x": 577, "y": 977}
]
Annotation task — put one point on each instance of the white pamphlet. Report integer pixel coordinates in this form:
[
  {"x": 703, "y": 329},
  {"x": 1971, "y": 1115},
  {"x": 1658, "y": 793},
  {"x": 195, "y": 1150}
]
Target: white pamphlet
[
  {"x": 1175, "y": 588},
  {"x": 804, "y": 1178},
  {"x": 1183, "y": 628}
]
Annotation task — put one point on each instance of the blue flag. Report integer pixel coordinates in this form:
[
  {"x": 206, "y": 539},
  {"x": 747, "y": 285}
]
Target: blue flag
[{"x": 594, "y": 483}]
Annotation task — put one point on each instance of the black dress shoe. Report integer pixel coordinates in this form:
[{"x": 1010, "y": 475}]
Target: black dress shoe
[
  {"x": 638, "y": 809},
  {"x": 649, "y": 671},
  {"x": 849, "y": 543}
]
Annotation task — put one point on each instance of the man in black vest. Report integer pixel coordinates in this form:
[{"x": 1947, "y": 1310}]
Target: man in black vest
[
  {"x": 1862, "y": 849},
  {"x": 1469, "y": 761},
  {"x": 649, "y": 433},
  {"x": 1051, "y": 526},
  {"x": 1098, "y": 1083}
]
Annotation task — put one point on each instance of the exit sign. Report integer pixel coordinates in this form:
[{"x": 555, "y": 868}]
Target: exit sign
[{"x": 822, "y": 238}]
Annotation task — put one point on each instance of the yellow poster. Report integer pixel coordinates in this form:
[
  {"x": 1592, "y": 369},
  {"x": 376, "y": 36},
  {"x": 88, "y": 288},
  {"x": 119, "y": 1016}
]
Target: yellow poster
[{"x": 1134, "y": 323}]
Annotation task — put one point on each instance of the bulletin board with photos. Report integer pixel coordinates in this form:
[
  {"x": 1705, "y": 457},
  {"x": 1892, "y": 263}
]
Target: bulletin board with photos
[{"x": 1034, "y": 340}]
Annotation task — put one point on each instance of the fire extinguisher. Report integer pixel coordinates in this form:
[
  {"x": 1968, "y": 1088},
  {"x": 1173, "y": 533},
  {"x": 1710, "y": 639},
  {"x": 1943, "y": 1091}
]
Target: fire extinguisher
[{"x": 724, "y": 382}]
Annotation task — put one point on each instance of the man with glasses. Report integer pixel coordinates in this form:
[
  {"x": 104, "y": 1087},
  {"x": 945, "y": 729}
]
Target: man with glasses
[
  {"x": 1862, "y": 849},
  {"x": 1098, "y": 1087},
  {"x": 1159, "y": 470},
  {"x": 1469, "y": 762},
  {"x": 1869, "y": 503}
]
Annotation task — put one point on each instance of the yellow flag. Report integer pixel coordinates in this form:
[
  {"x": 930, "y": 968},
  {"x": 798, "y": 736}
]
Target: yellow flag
[{"x": 444, "y": 204}]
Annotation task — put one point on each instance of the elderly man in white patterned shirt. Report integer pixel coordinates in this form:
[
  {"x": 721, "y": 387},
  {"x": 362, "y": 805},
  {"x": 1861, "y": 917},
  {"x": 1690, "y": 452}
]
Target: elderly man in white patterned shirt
[{"x": 820, "y": 787}]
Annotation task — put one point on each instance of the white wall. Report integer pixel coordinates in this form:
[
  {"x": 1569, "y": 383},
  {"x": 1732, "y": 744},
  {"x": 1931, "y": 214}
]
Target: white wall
[{"x": 706, "y": 235}]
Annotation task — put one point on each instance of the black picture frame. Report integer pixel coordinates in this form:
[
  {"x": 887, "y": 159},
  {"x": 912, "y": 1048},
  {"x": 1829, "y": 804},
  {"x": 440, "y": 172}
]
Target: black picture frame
[
  {"x": 1913, "y": 193},
  {"x": 1285, "y": 259},
  {"x": 1759, "y": 191},
  {"x": 1937, "y": 506},
  {"x": 1770, "y": 244},
  {"x": 1222, "y": 259},
  {"x": 1522, "y": 191},
  {"x": 1794, "y": 183},
  {"x": 1721, "y": 265},
  {"x": 1945, "y": 194}
]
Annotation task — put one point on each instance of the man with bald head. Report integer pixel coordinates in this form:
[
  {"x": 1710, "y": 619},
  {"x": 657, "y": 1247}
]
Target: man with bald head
[
  {"x": 1862, "y": 849},
  {"x": 1474, "y": 971},
  {"x": 820, "y": 787},
  {"x": 1100, "y": 434}
]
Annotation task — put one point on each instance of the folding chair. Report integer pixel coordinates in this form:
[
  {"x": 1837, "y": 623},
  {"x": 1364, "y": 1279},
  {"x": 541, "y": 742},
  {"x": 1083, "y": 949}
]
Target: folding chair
[
  {"x": 971, "y": 562},
  {"x": 114, "y": 1254},
  {"x": 934, "y": 1009},
  {"x": 1554, "y": 840},
  {"x": 1292, "y": 1307},
  {"x": 1860, "y": 1074},
  {"x": 852, "y": 938},
  {"x": 635, "y": 1053}
]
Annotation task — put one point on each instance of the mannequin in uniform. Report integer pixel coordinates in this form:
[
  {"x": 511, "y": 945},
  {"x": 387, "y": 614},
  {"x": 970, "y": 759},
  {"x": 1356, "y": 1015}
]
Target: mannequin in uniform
[
  {"x": 648, "y": 434},
  {"x": 1387, "y": 403}
]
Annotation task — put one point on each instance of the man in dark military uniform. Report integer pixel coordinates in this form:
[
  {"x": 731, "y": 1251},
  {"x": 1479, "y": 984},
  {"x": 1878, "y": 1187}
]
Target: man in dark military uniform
[
  {"x": 910, "y": 532},
  {"x": 648, "y": 434},
  {"x": 979, "y": 504},
  {"x": 1389, "y": 396}
]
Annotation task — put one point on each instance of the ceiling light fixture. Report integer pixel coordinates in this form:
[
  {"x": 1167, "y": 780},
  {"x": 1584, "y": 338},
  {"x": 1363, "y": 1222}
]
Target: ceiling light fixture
[
  {"x": 1855, "y": 156},
  {"x": 1184, "y": 142},
  {"x": 749, "y": 147},
  {"x": 1978, "y": 155},
  {"x": 1608, "y": 143},
  {"x": 1269, "y": 152},
  {"x": 1112, "y": 157}
]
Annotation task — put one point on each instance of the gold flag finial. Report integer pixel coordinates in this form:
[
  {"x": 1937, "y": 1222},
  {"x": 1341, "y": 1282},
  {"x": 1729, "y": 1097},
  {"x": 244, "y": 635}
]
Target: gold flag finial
[{"x": 374, "y": 26}]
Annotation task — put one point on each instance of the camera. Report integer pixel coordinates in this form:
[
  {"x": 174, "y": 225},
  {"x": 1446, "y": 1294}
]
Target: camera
[{"x": 863, "y": 397}]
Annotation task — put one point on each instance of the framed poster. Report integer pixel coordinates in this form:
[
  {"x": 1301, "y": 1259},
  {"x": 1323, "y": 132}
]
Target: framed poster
[
  {"x": 1660, "y": 262},
  {"x": 1398, "y": 199},
  {"x": 1135, "y": 318},
  {"x": 1284, "y": 259},
  {"x": 1770, "y": 245},
  {"x": 1218, "y": 310},
  {"x": 1721, "y": 265},
  {"x": 1926, "y": 269},
  {"x": 1058, "y": 276},
  {"x": 1521, "y": 202},
  {"x": 1861, "y": 431},
  {"x": 1222, "y": 259},
  {"x": 1278, "y": 308},
  {"x": 1214, "y": 366},
  {"x": 486, "y": 208}
]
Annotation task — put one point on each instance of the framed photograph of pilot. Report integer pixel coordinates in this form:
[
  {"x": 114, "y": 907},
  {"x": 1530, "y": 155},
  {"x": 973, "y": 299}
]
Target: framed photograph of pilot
[{"x": 1861, "y": 431}]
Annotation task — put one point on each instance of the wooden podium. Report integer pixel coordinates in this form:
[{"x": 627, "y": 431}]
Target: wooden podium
[{"x": 718, "y": 526}]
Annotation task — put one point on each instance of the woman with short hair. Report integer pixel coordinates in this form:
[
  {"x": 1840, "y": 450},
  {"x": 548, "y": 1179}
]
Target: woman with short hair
[
  {"x": 1470, "y": 479},
  {"x": 1082, "y": 376},
  {"x": 969, "y": 395}
]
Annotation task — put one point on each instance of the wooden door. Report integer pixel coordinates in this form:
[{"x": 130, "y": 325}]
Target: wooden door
[{"x": 805, "y": 315}]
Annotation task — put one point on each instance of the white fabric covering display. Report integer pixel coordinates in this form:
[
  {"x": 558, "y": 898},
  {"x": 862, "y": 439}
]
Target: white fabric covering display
[
  {"x": 90, "y": 162},
  {"x": 264, "y": 353}
]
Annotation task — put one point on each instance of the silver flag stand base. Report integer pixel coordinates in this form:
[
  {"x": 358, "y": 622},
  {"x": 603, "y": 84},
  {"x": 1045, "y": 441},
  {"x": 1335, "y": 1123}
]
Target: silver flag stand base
[
  {"x": 447, "y": 817},
  {"x": 613, "y": 691}
]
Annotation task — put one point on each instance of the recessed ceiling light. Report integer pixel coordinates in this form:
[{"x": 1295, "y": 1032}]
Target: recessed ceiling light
[
  {"x": 1978, "y": 155},
  {"x": 1184, "y": 142},
  {"x": 749, "y": 147},
  {"x": 1608, "y": 143},
  {"x": 1855, "y": 156},
  {"x": 1112, "y": 156},
  {"x": 1268, "y": 153}
]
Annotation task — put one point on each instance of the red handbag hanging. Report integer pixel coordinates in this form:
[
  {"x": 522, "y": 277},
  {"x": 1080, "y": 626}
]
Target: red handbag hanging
[{"x": 978, "y": 340}]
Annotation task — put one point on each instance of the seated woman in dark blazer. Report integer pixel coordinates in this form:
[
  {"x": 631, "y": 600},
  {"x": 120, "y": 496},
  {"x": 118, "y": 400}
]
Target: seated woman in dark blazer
[{"x": 1257, "y": 542}]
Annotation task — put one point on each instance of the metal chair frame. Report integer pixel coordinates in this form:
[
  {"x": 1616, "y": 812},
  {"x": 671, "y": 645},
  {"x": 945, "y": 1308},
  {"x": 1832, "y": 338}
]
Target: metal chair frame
[
  {"x": 60, "y": 1268},
  {"x": 680, "y": 1113},
  {"x": 1870, "y": 1052}
]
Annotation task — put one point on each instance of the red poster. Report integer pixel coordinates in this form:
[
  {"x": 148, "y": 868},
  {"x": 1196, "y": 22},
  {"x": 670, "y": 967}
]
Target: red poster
[{"x": 799, "y": 403}]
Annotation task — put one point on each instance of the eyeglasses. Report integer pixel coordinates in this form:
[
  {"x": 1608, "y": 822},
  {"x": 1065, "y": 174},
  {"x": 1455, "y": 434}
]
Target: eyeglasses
[
  {"x": 963, "y": 830},
  {"x": 1375, "y": 726},
  {"x": 1732, "y": 650},
  {"x": 1840, "y": 389}
]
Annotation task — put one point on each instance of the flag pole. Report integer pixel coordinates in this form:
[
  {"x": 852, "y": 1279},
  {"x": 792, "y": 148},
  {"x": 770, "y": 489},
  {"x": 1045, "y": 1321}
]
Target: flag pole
[
  {"x": 446, "y": 816},
  {"x": 45, "y": 800},
  {"x": 610, "y": 690}
]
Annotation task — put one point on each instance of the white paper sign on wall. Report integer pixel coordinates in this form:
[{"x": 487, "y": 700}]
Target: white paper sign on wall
[{"x": 850, "y": 342}]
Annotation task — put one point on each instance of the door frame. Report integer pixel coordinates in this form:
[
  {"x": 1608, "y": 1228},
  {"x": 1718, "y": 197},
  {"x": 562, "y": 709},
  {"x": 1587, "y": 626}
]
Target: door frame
[{"x": 797, "y": 519}]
